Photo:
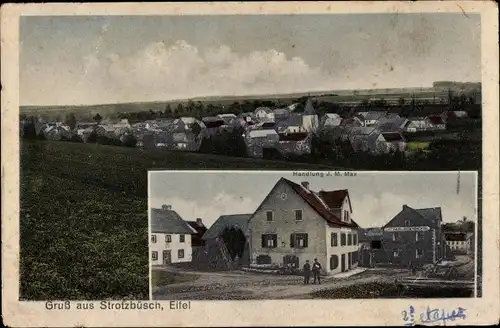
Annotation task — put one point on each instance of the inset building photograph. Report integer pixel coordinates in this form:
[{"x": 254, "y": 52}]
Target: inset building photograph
[{"x": 239, "y": 235}]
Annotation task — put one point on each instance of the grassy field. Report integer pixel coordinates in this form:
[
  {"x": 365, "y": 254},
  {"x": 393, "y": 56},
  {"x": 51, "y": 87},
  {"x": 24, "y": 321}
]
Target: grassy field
[{"x": 83, "y": 220}]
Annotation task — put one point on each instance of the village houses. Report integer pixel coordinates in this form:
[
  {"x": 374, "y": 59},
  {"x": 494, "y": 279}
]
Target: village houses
[
  {"x": 459, "y": 242},
  {"x": 294, "y": 223},
  {"x": 170, "y": 237}
]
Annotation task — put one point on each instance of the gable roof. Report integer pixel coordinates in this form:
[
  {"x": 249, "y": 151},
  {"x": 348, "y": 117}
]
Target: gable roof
[
  {"x": 296, "y": 136},
  {"x": 318, "y": 201},
  {"x": 436, "y": 120},
  {"x": 168, "y": 221},
  {"x": 392, "y": 136},
  {"x": 429, "y": 214},
  {"x": 237, "y": 221}
]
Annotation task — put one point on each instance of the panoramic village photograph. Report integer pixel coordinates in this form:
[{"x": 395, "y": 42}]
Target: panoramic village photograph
[
  {"x": 105, "y": 99},
  {"x": 294, "y": 235}
]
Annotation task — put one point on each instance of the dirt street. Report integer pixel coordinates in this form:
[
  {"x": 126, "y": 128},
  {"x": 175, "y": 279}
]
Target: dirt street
[{"x": 239, "y": 285}]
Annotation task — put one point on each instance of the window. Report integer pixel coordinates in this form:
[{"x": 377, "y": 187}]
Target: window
[
  {"x": 334, "y": 240},
  {"x": 180, "y": 254},
  {"x": 269, "y": 215},
  {"x": 153, "y": 239},
  {"x": 419, "y": 253},
  {"x": 269, "y": 241},
  {"x": 396, "y": 253},
  {"x": 349, "y": 239},
  {"x": 394, "y": 237},
  {"x": 418, "y": 236},
  {"x": 355, "y": 239},
  {"x": 264, "y": 259},
  {"x": 298, "y": 240},
  {"x": 342, "y": 239},
  {"x": 182, "y": 238},
  {"x": 298, "y": 215},
  {"x": 407, "y": 223},
  {"x": 376, "y": 244},
  {"x": 154, "y": 256},
  {"x": 346, "y": 216},
  {"x": 168, "y": 238},
  {"x": 334, "y": 262}
]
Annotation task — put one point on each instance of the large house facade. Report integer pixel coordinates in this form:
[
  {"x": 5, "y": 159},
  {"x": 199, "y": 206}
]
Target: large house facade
[
  {"x": 294, "y": 224},
  {"x": 170, "y": 237},
  {"x": 414, "y": 237}
]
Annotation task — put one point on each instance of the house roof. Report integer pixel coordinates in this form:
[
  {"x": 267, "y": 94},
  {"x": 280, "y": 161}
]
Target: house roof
[
  {"x": 392, "y": 136},
  {"x": 261, "y": 133},
  {"x": 430, "y": 214},
  {"x": 298, "y": 136},
  {"x": 321, "y": 201},
  {"x": 168, "y": 221},
  {"x": 374, "y": 115},
  {"x": 292, "y": 120},
  {"x": 237, "y": 221},
  {"x": 436, "y": 120},
  {"x": 333, "y": 115},
  {"x": 266, "y": 109},
  {"x": 455, "y": 236}
]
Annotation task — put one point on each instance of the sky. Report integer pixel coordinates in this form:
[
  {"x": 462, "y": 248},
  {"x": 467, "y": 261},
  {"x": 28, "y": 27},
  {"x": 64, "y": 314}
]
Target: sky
[
  {"x": 73, "y": 60},
  {"x": 375, "y": 197}
]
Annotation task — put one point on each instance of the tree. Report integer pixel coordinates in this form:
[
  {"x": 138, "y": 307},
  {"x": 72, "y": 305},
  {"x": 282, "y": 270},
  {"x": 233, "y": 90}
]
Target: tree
[
  {"x": 168, "y": 110},
  {"x": 71, "y": 120},
  {"x": 196, "y": 128},
  {"x": 98, "y": 118}
]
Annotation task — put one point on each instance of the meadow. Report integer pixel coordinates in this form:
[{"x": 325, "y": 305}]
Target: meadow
[{"x": 83, "y": 216}]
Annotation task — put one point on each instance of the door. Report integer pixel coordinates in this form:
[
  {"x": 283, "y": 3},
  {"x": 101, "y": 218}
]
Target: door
[
  {"x": 342, "y": 263},
  {"x": 167, "y": 257},
  {"x": 349, "y": 259}
]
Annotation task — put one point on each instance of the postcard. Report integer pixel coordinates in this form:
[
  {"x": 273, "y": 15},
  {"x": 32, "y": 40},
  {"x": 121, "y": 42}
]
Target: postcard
[{"x": 250, "y": 163}]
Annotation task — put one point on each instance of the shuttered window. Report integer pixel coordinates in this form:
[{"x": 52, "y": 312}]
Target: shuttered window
[
  {"x": 299, "y": 240},
  {"x": 154, "y": 255},
  {"x": 269, "y": 241},
  {"x": 349, "y": 239}
]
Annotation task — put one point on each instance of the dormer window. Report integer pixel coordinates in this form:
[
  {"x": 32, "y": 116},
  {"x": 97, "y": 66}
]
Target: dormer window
[{"x": 345, "y": 217}]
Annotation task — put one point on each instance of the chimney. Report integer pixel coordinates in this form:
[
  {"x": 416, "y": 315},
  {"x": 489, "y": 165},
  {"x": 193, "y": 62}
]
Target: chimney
[
  {"x": 305, "y": 184},
  {"x": 405, "y": 206},
  {"x": 166, "y": 207},
  {"x": 199, "y": 222}
]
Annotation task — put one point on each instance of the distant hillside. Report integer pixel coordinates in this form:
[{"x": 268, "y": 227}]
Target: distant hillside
[{"x": 439, "y": 91}]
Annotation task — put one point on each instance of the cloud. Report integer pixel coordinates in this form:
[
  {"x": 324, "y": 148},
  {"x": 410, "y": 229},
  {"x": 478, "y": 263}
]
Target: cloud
[
  {"x": 209, "y": 210},
  {"x": 168, "y": 71}
]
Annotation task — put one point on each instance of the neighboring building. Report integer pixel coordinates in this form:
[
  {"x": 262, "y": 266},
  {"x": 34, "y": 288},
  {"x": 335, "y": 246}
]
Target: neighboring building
[
  {"x": 371, "y": 252},
  {"x": 294, "y": 224},
  {"x": 170, "y": 237},
  {"x": 57, "y": 132},
  {"x": 458, "y": 242},
  {"x": 197, "y": 238},
  {"x": 281, "y": 114},
  {"x": 436, "y": 122},
  {"x": 295, "y": 143},
  {"x": 330, "y": 121},
  {"x": 264, "y": 114},
  {"x": 293, "y": 124},
  {"x": 414, "y": 237},
  {"x": 453, "y": 115},
  {"x": 259, "y": 139},
  {"x": 371, "y": 118},
  {"x": 105, "y": 130}
]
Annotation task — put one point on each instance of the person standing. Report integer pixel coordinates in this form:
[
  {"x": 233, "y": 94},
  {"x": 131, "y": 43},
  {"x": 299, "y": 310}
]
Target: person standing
[
  {"x": 316, "y": 270},
  {"x": 307, "y": 272}
]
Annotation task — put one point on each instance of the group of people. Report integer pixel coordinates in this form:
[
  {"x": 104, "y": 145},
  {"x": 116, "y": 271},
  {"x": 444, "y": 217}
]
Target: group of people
[{"x": 315, "y": 270}]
